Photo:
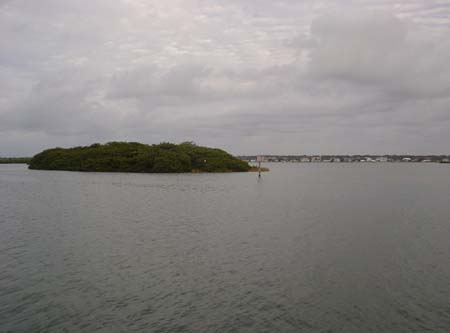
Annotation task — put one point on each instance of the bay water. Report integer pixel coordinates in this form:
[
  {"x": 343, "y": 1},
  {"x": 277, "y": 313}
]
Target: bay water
[{"x": 308, "y": 247}]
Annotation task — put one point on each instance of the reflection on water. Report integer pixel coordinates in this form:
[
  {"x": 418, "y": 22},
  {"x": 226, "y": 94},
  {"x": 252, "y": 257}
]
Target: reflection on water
[{"x": 307, "y": 247}]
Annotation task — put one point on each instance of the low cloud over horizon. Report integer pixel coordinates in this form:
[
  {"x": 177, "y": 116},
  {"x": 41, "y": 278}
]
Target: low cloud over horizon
[{"x": 283, "y": 77}]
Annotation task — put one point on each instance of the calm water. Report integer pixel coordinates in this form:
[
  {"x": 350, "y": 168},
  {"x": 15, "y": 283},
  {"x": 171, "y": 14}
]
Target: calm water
[{"x": 310, "y": 247}]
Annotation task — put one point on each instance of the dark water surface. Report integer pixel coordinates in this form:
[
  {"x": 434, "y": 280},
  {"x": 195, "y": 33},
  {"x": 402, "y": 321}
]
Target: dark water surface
[{"x": 309, "y": 247}]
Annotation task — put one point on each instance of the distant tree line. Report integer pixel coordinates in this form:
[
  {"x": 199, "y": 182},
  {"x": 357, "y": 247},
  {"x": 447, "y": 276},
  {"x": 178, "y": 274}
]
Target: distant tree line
[
  {"x": 137, "y": 157},
  {"x": 14, "y": 160}
]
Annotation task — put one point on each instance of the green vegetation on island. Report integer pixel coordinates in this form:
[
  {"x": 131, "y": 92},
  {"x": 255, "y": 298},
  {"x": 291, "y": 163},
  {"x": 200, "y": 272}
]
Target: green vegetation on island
[
  {"x": 15, "y": 160},
  {"x": 137, "y": 157}
]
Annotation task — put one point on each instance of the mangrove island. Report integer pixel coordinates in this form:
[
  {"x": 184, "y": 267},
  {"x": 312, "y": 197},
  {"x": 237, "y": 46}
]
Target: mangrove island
[{"x": 137, "y": 157}]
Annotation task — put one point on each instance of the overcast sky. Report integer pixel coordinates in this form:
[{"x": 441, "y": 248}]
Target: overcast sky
[{"x": 250, "y": 77}]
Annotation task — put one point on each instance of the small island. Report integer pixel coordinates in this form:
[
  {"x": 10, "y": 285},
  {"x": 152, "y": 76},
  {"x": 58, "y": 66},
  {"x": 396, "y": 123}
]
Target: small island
[{"x": 137, "y": 157}]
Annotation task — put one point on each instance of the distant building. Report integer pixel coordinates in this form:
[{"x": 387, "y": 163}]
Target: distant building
[
  {"x": 382, "y": 159},
  {"x": 316, "y": 159},
  {"x": 305, "y": 160}
]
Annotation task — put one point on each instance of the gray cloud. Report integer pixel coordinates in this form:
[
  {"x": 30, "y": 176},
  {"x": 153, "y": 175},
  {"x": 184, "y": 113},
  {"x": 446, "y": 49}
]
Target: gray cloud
[
  {"x": 380, "y": 50},
  {"x": 277, "y": 77}
]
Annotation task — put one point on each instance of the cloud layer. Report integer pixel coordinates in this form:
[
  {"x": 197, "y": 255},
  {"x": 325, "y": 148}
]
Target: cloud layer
[{"x": 271, "y": 77}]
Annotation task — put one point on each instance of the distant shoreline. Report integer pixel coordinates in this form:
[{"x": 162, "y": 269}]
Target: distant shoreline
[
  {"x": 15, "y": 160},
  {"x": 350, "y": 158}
]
